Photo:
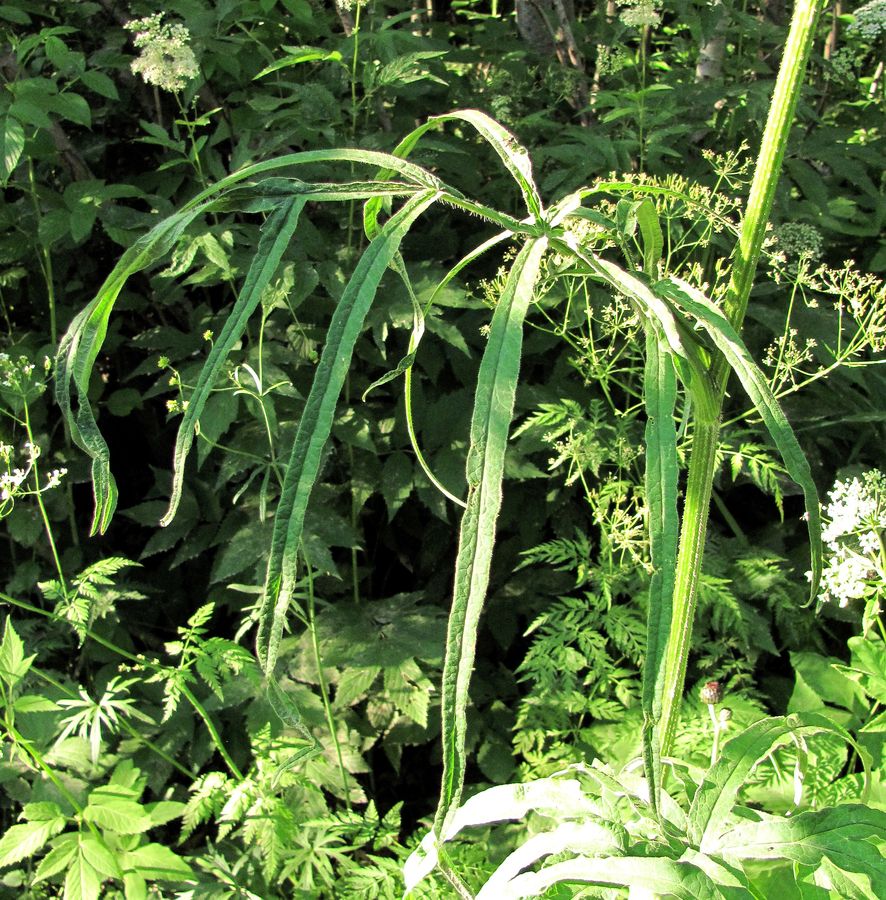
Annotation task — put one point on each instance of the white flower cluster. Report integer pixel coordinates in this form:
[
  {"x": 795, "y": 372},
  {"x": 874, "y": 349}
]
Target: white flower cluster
[
  {"x": 870, "y": 19},
  {"x": 855, "y": 521},
  {"x": 166, "y": 58},
  {"x": 14, "y": 479},
  {"x": 639, "y": 13}
]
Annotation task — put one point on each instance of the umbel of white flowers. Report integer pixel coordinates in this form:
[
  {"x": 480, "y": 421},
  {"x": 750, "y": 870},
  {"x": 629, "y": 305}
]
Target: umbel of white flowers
[
  {"x": 165, "y": 58},
  {"x": 855, "y": 522}
]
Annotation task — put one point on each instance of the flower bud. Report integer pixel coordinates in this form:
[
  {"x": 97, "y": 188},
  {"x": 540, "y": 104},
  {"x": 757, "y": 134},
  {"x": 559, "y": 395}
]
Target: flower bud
[{"x": 711, "y": 693}]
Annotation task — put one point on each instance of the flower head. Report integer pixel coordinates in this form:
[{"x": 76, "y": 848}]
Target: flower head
[{"x": 166, "y": 58}]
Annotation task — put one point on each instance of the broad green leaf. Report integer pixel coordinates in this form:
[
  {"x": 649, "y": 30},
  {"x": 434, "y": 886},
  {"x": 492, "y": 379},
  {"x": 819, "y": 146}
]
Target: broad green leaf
[
  {"x": 12, "y": 142},
  {"x": 114, "y": 810},
  {"x": 662, "y": 473},
  {"x": 156, "y": 863},
  {"x": 22, "y": 841},
  {"x": 847, "y": 835},
  {"x": 64, "y": 849},
  {"x": 82, "y": 881},
  {"x": 490, "y": 425},
  {"x": 13, "y": 663},
  {"x": 589, "y": 837},
  {"x": 561, "y": 797},
  {"x": 653, "y": 875},
  {"x": 316, "y": 422},
  {"x": 717, "y": 794},
  {"x": 276, "y": 234}
]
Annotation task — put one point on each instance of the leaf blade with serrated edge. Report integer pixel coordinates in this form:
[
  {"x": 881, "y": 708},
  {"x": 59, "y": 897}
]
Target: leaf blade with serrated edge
[
  {"x": 490, "y": 424},
  {"x": 316, "y": 422}
]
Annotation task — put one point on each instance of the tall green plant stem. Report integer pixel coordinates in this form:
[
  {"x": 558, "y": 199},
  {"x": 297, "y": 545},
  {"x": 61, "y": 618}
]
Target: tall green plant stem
[{"x": 702, "y": 459}]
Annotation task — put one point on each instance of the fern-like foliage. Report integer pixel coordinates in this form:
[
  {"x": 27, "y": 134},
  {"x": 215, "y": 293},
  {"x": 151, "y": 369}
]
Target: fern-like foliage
[{"x": 91, "y": 595}]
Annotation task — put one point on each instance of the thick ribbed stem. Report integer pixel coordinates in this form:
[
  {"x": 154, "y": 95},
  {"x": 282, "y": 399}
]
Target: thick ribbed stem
[{"x": 702, "y": 458}]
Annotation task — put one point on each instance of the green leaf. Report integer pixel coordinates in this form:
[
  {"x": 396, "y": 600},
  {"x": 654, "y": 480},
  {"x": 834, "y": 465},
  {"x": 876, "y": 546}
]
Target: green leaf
[
  {"x": 72, "y": 107},
  {"x": 82, "y": 881},
  {"x": 728, "y": 342},
  {"x": 556, "y": 796},
  {"x": 114, "y": 810},
  {"x": 58, "y": 859},
  {"x": 514, "y": 156},
  {"x": 847, "y": 835},
  {"x": 100, "y": 83},
  {"x": 717, "y": 794},
  {"x": 155, "y": 862},
  {"x": 13, "y": 664},
  {"x": 12, "y": 142},
  {"x": 22, "y": 841},
  {"x": 275, "y": 238},
  {"x": 490, "y": 425},
  {"x": 650, "y": 231},
  {"x": 662, "y": 473},
  {"x": 654, "y": 876},
  {"x": 298, "y": 55},
  {"x": 316, "y": 422}
]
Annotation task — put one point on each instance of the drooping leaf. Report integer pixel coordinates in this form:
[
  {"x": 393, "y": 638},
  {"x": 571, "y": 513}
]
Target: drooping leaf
[
  {"x": 653, "y": 875},
  {"x": 316, "y": 422},
  {"x": 490, "y": 424},
  {"x": 717, "y": 794},
  {"x": 730, "y": 344}
]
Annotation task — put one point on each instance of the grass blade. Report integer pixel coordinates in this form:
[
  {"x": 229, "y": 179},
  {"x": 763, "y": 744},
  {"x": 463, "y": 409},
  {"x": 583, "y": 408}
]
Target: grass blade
[
  {"x": 660, "y": 398},
  {"x": 728, "y": 342},
  {"x": 316, "y": 422},
  {"x": 490, "y": 424},
  {"x": 275, "y": 237}
]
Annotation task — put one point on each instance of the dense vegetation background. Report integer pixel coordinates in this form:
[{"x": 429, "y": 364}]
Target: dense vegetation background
[{"x": 135, "y": 724}]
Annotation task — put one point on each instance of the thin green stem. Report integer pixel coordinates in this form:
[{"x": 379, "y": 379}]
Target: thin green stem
[
  {"x": 324, "y": 692},
  {"x": 143, "y": 661},
  {"x": 702, "y": 460},
  {"x": 42, "y": 506}
]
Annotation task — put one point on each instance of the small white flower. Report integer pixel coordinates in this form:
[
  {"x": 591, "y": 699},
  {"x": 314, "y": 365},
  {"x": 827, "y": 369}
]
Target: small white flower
[{"x": 166, "y": 58}]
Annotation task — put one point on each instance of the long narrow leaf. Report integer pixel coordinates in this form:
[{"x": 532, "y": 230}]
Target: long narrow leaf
[
  {"x": 650, "y": 875},
  {"x": 490, "y": 424},
  {"x": 276, "y": 235},
  {"x": 80, "y": 346},
  {"x": 752, "y": 379},
  {"x": 717, "y": 794},
  {"x": 514, "y": 156},
  {"x": 316, "y": 423},
  {"x": 660, "y": 397}
]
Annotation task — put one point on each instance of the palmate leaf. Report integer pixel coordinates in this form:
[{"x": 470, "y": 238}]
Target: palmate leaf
[
  {"x": 316, "y": 422},
  {"x": 728, "y": 342},
  {"x": 490, "y": 424},
  {"x": 662, "y": 472}
]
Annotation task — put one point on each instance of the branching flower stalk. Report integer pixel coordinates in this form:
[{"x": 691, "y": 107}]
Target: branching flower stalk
[{"x": 702, "y": 462}]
